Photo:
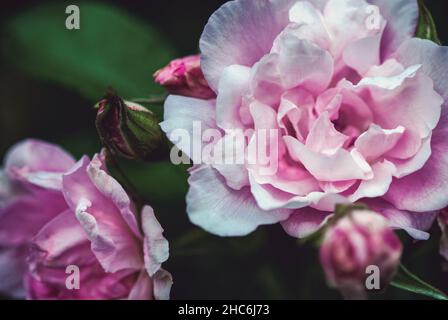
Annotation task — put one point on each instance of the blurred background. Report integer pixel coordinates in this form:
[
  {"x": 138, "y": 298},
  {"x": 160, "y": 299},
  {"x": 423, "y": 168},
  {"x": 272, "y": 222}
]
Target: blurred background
[{"x": 51, "y": 77}]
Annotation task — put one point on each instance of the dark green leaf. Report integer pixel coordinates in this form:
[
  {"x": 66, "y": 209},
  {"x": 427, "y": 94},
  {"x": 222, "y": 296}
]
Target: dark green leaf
[
  {"x": 158, "y": 181},
  {"x": 406, "y": 280},
  {"x": 111, "y": 48},
  {"x": 426, "y": 28}
]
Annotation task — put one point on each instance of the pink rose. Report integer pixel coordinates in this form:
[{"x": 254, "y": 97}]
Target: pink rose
[
  {"x": 93, "y": 226},
  {"x": 29, "y": 198},
  {"x": 358, "y": 104},
  {"x": 184, "y": 76},
  {"x": 356, "y": 242}
]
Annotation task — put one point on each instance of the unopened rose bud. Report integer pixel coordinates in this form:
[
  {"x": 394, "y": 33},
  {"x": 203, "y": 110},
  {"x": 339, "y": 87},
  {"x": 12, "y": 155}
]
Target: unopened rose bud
[
  {"x": 354, "y": 248},
  {"x": 184, "y": 77},
  {"x": 127, "y": 129}
]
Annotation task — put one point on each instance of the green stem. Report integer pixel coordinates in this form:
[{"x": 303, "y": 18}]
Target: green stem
[
  {"x": 124, "y": 181},
  {"x": 151, "y": 100},
  {"x": 190, "y": 244}
]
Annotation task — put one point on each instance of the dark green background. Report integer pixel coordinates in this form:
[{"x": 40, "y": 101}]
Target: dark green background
[{"x": 46, "y": 95}]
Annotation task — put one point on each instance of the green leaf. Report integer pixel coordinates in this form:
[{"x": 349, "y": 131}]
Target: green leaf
[
  {"x": 426, "y": 28},
  {"x": 158, "y": 181},
  {"x": 111, "y": 48},
  {"x": 406, "y": 280}
]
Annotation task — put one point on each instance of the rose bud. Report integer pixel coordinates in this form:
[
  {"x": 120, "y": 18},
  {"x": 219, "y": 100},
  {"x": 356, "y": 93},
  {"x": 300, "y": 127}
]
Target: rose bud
[
  {"x": 184, "y": 77},
  {"x": 353, "y": 247},
  {"x": 127, "y": 129}
]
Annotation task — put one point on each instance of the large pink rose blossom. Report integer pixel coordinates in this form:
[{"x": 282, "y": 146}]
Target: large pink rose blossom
[
  {"x": 359, "y": 103},
  {"x": 88, "y": 221},
  {"x": 356, "y": 242}
]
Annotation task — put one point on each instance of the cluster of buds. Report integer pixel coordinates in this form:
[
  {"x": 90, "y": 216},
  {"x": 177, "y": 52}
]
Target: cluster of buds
[{"x": 355, "y": 247}]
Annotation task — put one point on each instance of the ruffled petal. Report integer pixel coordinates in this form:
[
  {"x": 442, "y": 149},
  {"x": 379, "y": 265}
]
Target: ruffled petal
[
  {"x": 411, "y": 97},
  {"x": 143, "y": 288},
  {"x": 233, "y": 84},
  {"x": 104, "y": 211},
  {"x": 297, "y": 60},
  {"x": 24, "y": 216},
  {"x": 271, "y": 197},
  {"x": 384, "y": 140},
  {"x": 308, "y": 23},
  {"x": 295, "y": 120},
  {"x": 323, "y": 137},
  {"x": 163, "y": 281},
  {"x": 61, "y": 242},
  {"x": 233, "y": 34},
  {"x": 350, "y": 165},
  {"x": 29, "y": 158},
  {"x": 233, "y": 165},
  {"x": 185, "y": 119},
  {"x": 156, "y": 247},
  {"x": 347, "y": 22},
  {"x": 304, "y": 222},
  {"x": 378, "y": 185},
  {"x": 427, "y": 188},
  {"x": 402, "y": 19},
  {"x": 416, "y": 224},
  {"x": 224, "y": 211},
  {"x": 363, "y": 53},
  {"x": 432, "y": 59}
]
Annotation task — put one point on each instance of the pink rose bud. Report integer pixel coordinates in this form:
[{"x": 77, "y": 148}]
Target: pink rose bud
[
  {"x": 184, "y": 77},
  {"x": 358, "y": 248}
]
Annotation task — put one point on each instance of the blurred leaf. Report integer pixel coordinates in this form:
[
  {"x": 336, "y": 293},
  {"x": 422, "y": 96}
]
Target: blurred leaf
[
  {"x": 157, "y": 181},
  {"x": 426, "y": 28},
  {"x": 111, "y": 48},
  {"x": 406, "y": 280},
  {"x": 271, "y": 282}
]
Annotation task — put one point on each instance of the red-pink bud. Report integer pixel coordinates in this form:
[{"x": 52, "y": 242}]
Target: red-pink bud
[
  {"x": 353, "y": 245},
  {"x": 127, "y": 129},
  {"x": 184, "y": 77}
]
